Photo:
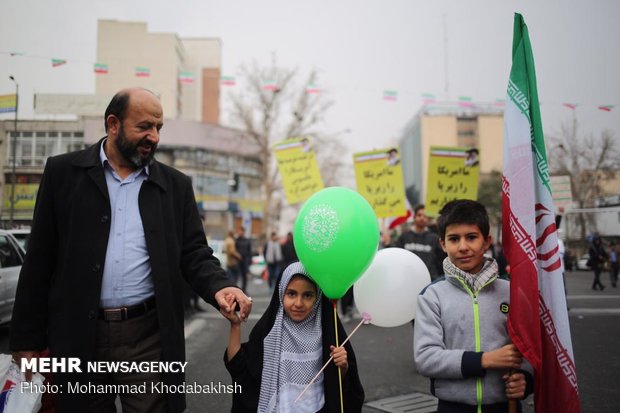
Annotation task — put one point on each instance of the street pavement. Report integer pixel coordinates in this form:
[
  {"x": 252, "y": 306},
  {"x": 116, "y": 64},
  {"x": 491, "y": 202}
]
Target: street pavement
[{"x": 385, "y": 356}]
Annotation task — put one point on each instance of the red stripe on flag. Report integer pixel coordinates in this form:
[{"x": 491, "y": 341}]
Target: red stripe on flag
[
  {"x": 555, "y": 266},
  {"x": 400, "y": 220},
  {"x": 550, "y": 229},
  {"x": 523, "y": 284},
  {"x": 549, "y": 254},
  {"x": 561, "y": 377}
]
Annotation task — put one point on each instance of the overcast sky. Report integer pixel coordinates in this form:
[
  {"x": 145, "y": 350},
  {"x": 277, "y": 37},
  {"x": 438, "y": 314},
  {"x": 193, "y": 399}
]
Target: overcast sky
[{"x": 360, "y": 47}]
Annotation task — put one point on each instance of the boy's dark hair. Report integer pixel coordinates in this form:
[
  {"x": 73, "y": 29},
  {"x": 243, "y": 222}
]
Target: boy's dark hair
[
  {"x": 417, "y": 208},
  {"x": 463, "y": 211}
]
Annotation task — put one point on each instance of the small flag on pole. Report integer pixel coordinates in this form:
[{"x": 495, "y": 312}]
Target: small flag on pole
[
  {"x": 428, "y": 98},
  {"x": 538, "y": 319},
  {"x": 390, "y": 95},
  {"x": 606, "y": 108},
  {"x": 100, "y": 69},
  {"x": 270, "y": 85},
  {"x": 311, "y": 88},
  {"x": 8, "y": 103},
  {"x": 186, "y": 77},
  {"x": 465, "y": 102},
  {"x": 227, "y": 81},
  {"x": 58, "y": 62},
  {"x": 571, "y": 106},
  {"x": 143, "y": 71}
]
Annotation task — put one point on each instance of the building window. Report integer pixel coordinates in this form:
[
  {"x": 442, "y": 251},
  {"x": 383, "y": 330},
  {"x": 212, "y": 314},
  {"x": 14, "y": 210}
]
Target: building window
[
  {"x": 33, "y": 148},
  {"x": 467, "y": 131}
]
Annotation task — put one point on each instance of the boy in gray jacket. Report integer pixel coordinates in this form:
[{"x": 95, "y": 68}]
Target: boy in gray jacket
[{"x": 460, "y": 338}]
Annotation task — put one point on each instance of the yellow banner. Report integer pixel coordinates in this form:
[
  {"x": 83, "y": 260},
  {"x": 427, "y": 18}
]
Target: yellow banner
[
  {"x": 25, "y": 196},
  {"x": 8, "y": 103},
  {"x": 452, "y": 174},
  {"x": 298, "y": 167},
  {"x": 379, "y": 177}
]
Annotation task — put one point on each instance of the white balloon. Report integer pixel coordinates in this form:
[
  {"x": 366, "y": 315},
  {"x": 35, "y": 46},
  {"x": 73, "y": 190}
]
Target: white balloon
[{"x": 388, "y": 290}]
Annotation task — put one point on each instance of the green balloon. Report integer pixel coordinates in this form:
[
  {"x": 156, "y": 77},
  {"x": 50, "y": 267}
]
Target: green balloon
[{"x": 336, "y": 236}]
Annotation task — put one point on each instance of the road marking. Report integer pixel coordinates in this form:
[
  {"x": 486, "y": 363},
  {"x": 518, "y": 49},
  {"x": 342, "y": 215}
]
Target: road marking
[
  {"x": 592, "y": 297},
  {"x": 195, "y": 325},
  {"x": 595, "y": 311}
]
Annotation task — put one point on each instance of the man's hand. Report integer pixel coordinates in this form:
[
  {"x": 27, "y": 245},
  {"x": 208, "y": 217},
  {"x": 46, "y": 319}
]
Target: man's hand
[
  {"x": 28, "y": 355},
  {"x": 504, "y": 357},
  {"x": 231, "y": 315},
  {"x": 245, "y": 303}
]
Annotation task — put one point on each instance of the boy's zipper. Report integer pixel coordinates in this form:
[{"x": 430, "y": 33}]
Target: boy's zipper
[{"x": 478, "y": 341}]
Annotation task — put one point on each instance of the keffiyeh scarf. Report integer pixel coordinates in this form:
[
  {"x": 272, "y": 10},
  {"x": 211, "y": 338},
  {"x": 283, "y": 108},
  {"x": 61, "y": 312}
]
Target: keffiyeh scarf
[{"x": 292, "y": 355}]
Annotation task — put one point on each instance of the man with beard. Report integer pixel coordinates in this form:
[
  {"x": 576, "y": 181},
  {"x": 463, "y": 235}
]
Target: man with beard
[{"x": 114, "y": 234}]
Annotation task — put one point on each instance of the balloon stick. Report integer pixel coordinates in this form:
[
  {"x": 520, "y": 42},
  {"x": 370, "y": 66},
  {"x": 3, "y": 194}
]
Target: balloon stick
[{"x": 365, "y": 320}]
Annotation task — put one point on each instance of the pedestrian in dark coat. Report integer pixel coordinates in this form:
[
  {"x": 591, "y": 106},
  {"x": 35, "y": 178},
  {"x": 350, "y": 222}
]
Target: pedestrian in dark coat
[{"x": 62, "y": 284}]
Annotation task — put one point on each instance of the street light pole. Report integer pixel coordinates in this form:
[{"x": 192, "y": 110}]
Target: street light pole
[{"x": 14, "y": 154}]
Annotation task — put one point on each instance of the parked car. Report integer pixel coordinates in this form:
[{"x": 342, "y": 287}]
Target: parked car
[
  {"x": 11, "y": 260},
  {"x": 582, "y": 263},
  {"x": 22, "y": 236}
]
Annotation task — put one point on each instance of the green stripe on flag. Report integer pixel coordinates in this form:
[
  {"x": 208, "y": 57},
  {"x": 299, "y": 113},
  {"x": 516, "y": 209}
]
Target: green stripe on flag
[{"x": 525, "y": 94}]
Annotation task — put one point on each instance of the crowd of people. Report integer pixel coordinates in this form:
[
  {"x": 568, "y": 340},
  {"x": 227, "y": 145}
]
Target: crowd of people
[{"x": 116, "y": 236}]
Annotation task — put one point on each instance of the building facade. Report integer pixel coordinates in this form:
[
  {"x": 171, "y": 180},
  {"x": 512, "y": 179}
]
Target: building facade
[
  {"x": 209, "y": 154},
  {"x": 478, "y": 126},
  {"x": 184, "y": 72}
]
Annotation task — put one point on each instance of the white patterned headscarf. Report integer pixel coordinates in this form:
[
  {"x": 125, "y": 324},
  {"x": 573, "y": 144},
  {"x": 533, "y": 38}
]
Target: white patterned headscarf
[{"x": 292, "y": 355}]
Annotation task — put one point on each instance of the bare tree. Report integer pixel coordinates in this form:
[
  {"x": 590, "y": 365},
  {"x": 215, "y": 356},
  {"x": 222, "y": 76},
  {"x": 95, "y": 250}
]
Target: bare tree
[
  {"x": 587, "y": 159},
  {"x": 271, "y": 106}
]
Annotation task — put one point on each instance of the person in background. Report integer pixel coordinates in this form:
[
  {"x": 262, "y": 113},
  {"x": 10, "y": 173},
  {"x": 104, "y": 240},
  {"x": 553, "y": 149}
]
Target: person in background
[
  {"x": 287, "y": 348},
  {"x": 114, "y": 234},
  {"x": 422, "y": 242},
  {"x": 244, "y": 248},
  {"x": 461, "y": 340},
  {"x": 233, "y": 258},
  {"x": 289, "y": 254},
  {"x": 273, "y": 257},
  {"x": 597, "y": 259},
  {"x": 613, "y": 264}
]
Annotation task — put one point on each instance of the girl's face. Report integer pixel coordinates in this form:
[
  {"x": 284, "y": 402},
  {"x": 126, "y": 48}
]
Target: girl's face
[
  {"x": 465, "y": 246},
  {"x": 299, "y": 298}
]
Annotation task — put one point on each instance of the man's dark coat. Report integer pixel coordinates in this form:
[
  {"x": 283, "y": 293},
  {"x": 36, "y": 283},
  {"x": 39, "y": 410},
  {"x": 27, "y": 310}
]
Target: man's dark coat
[{"x": 57, "y": 300}]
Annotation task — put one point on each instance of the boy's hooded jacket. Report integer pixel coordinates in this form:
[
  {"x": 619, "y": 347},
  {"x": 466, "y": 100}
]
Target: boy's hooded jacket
[{"x": 453, "y": 327}]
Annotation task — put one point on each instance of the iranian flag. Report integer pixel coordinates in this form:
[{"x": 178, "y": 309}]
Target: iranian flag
[{"x": 538, "y": 319}]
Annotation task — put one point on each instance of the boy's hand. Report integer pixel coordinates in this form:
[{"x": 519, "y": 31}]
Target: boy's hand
[
  {"x": 507, "y": 357},
  {"x": 340, "y": 357},
  {"x": 231, "y": 315},
  {"x": 515, "y": 385}
]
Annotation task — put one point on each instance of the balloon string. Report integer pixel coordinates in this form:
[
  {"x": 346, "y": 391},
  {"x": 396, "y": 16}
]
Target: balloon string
[
  {"x": 338, "y": 345},
  {"x": 364, "y": 321}
]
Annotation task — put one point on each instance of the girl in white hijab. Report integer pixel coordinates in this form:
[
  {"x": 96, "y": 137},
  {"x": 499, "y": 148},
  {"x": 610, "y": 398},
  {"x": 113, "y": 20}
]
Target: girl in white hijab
[{"x": 286, "y": 349}]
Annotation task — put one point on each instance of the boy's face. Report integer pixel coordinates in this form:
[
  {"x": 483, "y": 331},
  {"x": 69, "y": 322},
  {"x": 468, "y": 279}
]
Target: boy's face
[{"x": 465, "y": 246}]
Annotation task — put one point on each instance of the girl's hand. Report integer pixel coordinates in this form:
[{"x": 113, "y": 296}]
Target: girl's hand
[
  {"x": 340, "y": 358},
  {"x": 231, "y": 315}
]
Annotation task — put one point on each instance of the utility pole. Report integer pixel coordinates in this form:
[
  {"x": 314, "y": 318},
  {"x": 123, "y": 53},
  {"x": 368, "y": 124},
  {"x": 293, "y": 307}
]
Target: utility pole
[{"x": 14, "y": 154}]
